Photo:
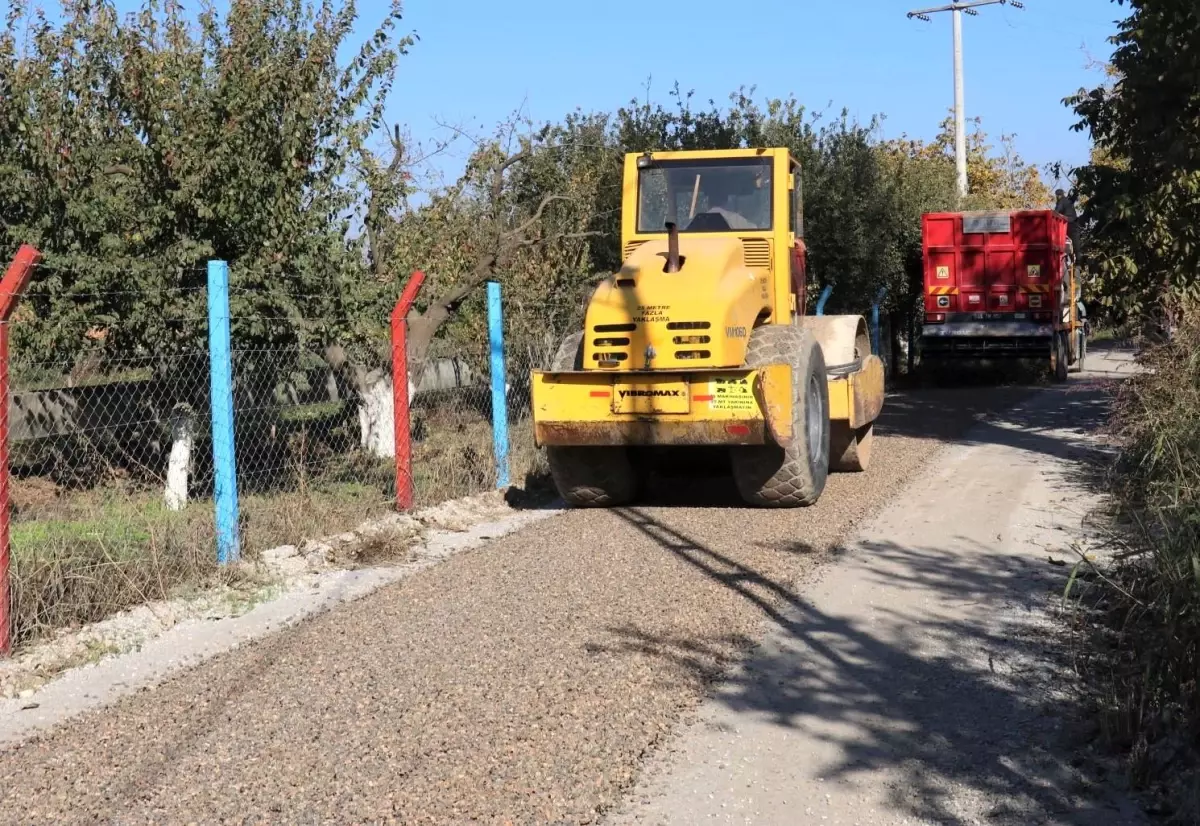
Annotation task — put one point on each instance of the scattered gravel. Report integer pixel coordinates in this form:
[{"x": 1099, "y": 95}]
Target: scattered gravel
[
  {"x": 392, "y": 539},
  {"x": 520, "y": 683}
]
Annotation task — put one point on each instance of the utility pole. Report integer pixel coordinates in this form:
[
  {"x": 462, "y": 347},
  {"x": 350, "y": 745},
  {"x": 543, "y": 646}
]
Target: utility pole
[{"x": 960, "y": 118}]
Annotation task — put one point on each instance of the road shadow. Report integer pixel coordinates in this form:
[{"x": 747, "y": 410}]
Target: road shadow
[
  {"x": 1055, "y": 421},
  {"x": 972, "y": 715},
  {"x": 945, "y": 704}
]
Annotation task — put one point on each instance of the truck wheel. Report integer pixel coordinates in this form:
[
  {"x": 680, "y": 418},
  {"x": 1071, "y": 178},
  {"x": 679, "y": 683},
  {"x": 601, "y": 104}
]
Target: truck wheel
[
  {"x": 1081, "y": 352},
  {"x": 850, "y": 448},
  {"x": 588, "y": 477},
  {"x": 1059, "y": 368},
  {"x": 793, "y": 474}
]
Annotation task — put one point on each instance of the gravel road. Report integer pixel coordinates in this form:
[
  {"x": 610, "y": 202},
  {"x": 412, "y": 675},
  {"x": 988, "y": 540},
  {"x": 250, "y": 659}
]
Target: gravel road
[
  {"x": 524, "y": 682},
  {"x": 923, "y": 679}
]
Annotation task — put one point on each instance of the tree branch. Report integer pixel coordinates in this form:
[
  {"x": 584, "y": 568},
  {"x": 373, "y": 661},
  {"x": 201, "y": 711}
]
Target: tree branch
[
  {"x": 371, "y": 222},
  {"x": 519, "y": 232},
  {"x": 566, "y": 236},
  {"x": 498, "y": 175}
]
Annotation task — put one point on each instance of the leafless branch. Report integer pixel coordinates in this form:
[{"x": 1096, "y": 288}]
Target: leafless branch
[
  {"x": 460, "y": 132},
  {"x": 566, "y": 236},
  {"x": 537, "y": 216}
]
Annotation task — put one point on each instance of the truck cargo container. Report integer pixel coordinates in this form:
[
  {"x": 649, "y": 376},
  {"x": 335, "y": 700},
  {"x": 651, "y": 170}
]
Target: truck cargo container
[{"x": 1002, "y": 285}]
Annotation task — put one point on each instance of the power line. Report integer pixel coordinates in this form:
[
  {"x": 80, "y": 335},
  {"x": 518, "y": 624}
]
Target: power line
[{"x": 960, "y": 119}]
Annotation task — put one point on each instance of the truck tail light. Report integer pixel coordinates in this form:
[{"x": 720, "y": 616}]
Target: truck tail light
[{"x": 934, "y": 318}]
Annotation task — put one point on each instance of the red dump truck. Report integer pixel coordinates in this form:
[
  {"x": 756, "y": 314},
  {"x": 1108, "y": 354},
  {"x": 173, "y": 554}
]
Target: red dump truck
[{"x": 1002, "y": 285}]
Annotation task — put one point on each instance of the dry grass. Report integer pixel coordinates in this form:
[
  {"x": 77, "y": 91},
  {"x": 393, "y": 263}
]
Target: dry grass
[
  {"x": 80, "y": 556},
  {"x": 454, "y": 455},
  {"x": 1147, "y": 666}
]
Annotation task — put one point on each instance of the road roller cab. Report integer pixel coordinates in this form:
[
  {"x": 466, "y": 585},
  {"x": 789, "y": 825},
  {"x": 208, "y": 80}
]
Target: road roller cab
[{"x": 700, "y": 340}]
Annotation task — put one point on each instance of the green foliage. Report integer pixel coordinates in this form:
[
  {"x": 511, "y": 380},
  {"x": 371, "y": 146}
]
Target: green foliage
[
  {"x": 1151, "y": 668},
  {"x": 1142, "y": 189},
  {"x": 863, "y": 202},
  {"x": 1141, "y": 211},
  {"x": 145, "y": 145},
  {"x": 140, "y": 147}
]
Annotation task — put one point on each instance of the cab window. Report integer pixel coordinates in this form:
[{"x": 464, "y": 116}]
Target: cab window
[
  {"x": 797, "y": 204},
  {"x": 725, "y": 195}
]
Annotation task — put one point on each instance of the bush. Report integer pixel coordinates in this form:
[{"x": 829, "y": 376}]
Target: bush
[{"x": 1155, "y": 610}]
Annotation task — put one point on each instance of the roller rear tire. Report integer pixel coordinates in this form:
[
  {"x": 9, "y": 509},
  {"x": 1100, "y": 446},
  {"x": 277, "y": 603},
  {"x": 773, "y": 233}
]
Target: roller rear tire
[{"x": 793, "y": 474}]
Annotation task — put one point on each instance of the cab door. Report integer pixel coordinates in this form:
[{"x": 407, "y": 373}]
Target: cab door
[{"x": 799, "y": 252}]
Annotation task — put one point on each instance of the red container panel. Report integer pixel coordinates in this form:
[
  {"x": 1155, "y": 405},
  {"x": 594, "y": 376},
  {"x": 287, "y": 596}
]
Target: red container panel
[{"x": 992, "y": 261}]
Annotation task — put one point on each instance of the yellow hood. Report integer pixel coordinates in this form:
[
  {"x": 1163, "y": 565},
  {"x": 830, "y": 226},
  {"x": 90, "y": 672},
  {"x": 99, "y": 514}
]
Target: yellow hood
[{"x": 698, "y": 317}]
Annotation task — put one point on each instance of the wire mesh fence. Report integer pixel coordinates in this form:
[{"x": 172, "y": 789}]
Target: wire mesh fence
[
  {"x": 307, "y": 464},
  {"x": 113, "y": 441},
  {"x": 111, "y": 445},
  {"x": 454, "y": 440},
  {"x": 98, "y": 435}
]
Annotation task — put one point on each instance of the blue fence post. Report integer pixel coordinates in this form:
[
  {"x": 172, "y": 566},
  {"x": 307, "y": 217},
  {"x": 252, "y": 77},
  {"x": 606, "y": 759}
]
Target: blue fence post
[
  {"x": 221, "y": 370},
  {"x": 824, "y": 297},
  {"x": 875, "y": 320},
  {"x": 499, "y": 378}
]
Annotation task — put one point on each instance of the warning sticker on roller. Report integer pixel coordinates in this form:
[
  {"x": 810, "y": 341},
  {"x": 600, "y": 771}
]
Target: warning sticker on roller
[{"x": 732, "y": 394}]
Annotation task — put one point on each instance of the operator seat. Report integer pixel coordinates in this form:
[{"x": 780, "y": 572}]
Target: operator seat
[{"x": 709, "y": 222}]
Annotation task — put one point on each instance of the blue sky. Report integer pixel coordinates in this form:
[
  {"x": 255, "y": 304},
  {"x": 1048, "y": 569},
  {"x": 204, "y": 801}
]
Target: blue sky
[{"x": 478, "y": 60}]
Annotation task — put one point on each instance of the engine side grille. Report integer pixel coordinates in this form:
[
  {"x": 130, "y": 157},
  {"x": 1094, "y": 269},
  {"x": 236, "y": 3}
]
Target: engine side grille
[
  {"x": 611, "y": 350},
  {"x": 756, "y": 253}
]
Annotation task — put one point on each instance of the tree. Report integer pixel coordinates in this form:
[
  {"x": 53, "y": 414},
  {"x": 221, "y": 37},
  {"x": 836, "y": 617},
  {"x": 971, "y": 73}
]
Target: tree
[
  {"x": 139, "y": 147},
  {"x": 995, "y": 181},
  {"x": 521, "y": 212},
  {"x": 1141, "y": 191},
  {"x": 864, "y": 199},
  {"x": 147, "y": 145}
]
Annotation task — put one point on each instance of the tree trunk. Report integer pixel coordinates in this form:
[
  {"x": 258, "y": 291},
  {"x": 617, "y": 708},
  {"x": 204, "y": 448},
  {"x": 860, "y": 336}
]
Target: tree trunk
[
  {"x": 376, "y": 415},
  {"x": 179, "y": 463},
  {"x": 422, "y": 329},
  {"x": 912, "y": 337},
  {"x": 894, "y": 335}
]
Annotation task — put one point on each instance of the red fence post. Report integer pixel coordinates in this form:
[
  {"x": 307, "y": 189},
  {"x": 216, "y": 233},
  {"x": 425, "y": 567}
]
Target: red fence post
[
  {"x": 403, "y": 435},
  {"x": 11, "y": 287}
]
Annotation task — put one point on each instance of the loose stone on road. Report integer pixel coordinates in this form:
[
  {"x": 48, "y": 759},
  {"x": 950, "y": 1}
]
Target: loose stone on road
[
  {"x": 919, "y": 681},
  {"x": 528, "y": 681}
]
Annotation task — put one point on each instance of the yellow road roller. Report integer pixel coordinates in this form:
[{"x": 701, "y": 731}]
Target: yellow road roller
[{"x": 701, "y": 340}]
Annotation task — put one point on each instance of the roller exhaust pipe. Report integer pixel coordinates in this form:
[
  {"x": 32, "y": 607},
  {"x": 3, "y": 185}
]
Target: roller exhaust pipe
[{"x": 672, "y": 247}]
